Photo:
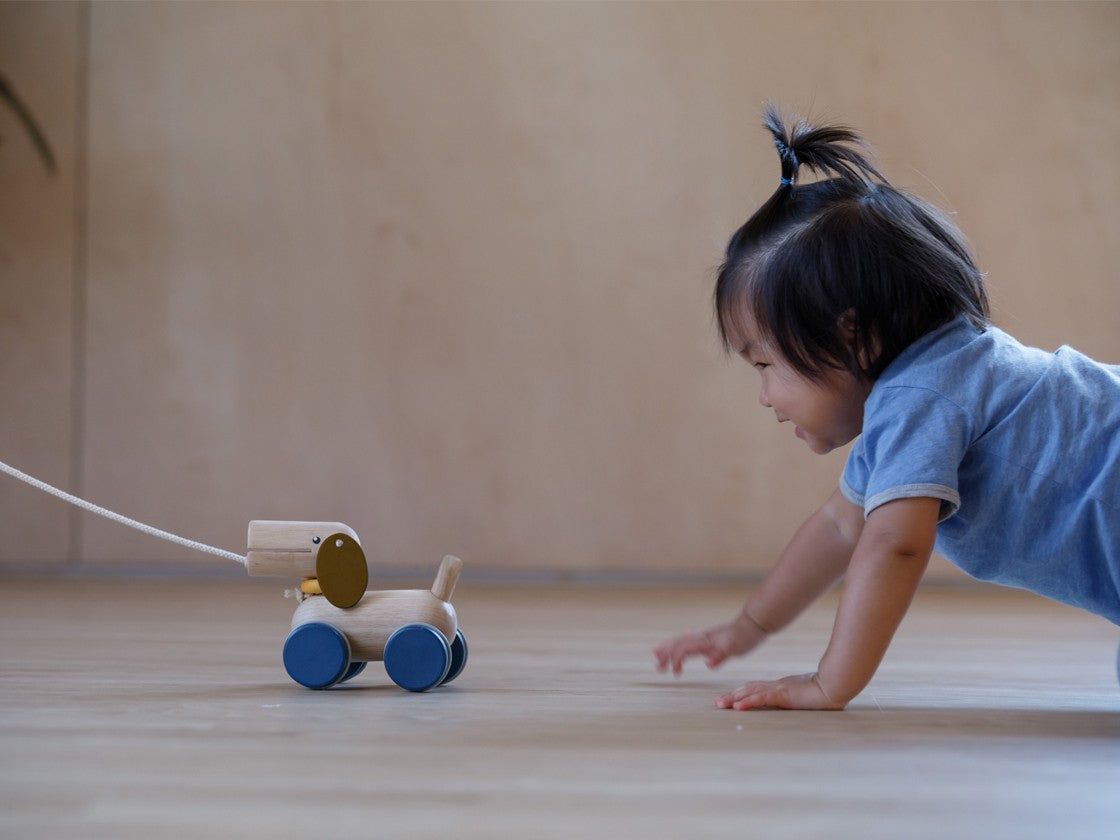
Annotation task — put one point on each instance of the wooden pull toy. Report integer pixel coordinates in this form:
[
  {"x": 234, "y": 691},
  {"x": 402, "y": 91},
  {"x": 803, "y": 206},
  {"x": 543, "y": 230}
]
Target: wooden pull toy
[{"x": 340, "y": 625}]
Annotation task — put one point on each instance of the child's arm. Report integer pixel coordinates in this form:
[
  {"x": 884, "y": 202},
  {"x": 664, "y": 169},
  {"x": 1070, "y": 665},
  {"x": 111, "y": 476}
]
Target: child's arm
[
  {"x": 813, "y": 561},
  {"x": 889, "y": 561}
]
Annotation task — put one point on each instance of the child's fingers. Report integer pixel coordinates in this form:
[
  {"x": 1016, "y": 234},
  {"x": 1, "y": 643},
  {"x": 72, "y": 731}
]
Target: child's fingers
[
  {"x": 754, "y": 695},
  {"x": 713, "y": 654},
  {"x": 666, "y": 656},
  {"x": 678, "y": 657},
  {"x": 798, "y": 692},
  {"x": 673, "y": 654},
  {"x": 663, "y": 653},
  {"x": 766, "y": 696}
]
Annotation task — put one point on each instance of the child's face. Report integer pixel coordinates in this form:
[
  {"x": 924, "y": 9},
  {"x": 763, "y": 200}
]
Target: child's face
[{"x": 826, "y": 414}]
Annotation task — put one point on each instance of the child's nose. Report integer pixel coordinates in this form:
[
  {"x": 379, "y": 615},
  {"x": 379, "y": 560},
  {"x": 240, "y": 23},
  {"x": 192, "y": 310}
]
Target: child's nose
[{"x": 763, "y": 398}]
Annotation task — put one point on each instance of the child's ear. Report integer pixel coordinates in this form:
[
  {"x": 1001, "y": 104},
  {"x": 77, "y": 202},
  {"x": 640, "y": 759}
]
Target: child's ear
[{"x": 863, "y": 353}]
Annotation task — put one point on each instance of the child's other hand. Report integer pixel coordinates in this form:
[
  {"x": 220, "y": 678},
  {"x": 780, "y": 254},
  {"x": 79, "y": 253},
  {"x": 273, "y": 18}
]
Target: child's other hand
[
  {"x": 800, "y": 692},
  {"x": 716, "y": 645}
]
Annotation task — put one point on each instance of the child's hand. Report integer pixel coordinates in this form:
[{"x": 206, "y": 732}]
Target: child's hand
[
  {"x": 800, "y": 692},
  {"x": 716, "y": 645}
]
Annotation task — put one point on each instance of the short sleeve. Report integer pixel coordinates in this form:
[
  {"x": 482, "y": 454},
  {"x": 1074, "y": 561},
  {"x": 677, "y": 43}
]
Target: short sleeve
[{"x": 912, "y": 445}]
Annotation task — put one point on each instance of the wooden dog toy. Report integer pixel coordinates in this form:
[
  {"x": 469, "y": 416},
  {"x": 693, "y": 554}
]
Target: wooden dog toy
[{"x": 339, "y": 625}]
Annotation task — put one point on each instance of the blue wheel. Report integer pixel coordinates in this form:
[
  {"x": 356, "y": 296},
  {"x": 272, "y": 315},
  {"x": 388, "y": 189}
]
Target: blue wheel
[
  {"x": 417, "y": 657},
  {"x": 353, "y": 671},
  {"x": 458, "y": 657},
  {"x": 316, "y": 655}
]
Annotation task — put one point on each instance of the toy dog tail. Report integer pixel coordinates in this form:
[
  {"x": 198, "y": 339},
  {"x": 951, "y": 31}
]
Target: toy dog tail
[{"x": 447, "y": 577}]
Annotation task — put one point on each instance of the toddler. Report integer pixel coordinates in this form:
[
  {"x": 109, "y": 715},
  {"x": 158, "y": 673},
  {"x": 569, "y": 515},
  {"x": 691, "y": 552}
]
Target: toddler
[{"x": 864, "y": 313}]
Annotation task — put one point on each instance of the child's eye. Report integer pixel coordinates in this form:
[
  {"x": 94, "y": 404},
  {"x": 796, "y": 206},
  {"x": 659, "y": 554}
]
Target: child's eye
[{"x": 761, "y": 365}]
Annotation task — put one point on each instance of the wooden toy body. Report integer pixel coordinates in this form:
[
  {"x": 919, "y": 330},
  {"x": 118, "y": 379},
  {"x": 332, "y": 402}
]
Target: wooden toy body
[{"x": 369, "y": 624}]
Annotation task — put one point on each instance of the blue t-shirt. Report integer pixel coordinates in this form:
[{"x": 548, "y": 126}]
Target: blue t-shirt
[{"x": 1021, "y": 446}]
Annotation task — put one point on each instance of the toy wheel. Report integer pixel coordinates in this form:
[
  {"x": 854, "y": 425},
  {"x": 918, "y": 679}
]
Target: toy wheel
[
  {"x": 353, "y": 671},
  {"x": 317, "y": 655},
  {"x": 458, "y": 657},
  {"x": 417, "y": 657}
]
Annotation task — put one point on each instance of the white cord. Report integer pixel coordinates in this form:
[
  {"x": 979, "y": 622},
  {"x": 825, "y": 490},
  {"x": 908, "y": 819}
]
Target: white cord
[{"x": 116, "y": 517}]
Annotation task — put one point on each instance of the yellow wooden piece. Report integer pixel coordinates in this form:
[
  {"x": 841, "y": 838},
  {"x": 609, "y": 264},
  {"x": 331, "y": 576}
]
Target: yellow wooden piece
[{"x": 310, "y": 587}]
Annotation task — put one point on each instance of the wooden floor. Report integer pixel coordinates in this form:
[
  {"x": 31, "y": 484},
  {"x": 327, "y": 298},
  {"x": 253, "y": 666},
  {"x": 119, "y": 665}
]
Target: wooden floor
[{"x": 161, "y": 709}]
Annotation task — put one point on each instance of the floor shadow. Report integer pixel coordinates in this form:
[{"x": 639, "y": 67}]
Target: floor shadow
[{"x": 992, "y": 722}]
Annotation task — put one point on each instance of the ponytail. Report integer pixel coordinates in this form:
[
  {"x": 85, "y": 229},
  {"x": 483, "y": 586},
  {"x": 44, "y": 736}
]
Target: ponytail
[{"x": 830, "y": 149}]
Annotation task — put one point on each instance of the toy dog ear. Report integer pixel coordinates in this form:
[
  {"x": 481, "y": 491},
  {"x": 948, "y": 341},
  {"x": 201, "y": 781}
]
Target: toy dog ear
[{"x": 340, "y": 566}]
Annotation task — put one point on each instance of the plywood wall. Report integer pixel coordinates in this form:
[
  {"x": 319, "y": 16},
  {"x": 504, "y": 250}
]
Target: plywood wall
[
  {"x": 40, "y": 59},
  {"x": 442, "y": 271}
]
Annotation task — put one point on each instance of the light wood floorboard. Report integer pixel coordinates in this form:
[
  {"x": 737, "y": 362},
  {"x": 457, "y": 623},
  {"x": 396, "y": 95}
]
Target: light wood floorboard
[{"x": 160, "y": 709}]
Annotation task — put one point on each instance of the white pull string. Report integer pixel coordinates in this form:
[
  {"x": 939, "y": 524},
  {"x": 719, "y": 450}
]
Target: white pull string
[{"x": 116, "y": 517}]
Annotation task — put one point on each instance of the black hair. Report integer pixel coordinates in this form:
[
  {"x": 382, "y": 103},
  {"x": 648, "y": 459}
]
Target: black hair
[{"x": 848, "y": 271}]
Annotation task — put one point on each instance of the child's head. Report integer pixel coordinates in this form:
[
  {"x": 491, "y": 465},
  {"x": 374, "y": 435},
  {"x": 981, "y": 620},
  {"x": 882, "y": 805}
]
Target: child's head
[{"x": 846, "y": 272}]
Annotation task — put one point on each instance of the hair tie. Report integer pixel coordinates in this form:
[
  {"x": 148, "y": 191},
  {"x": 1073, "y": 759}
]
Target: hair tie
[{"x": 786, "y": 182}]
